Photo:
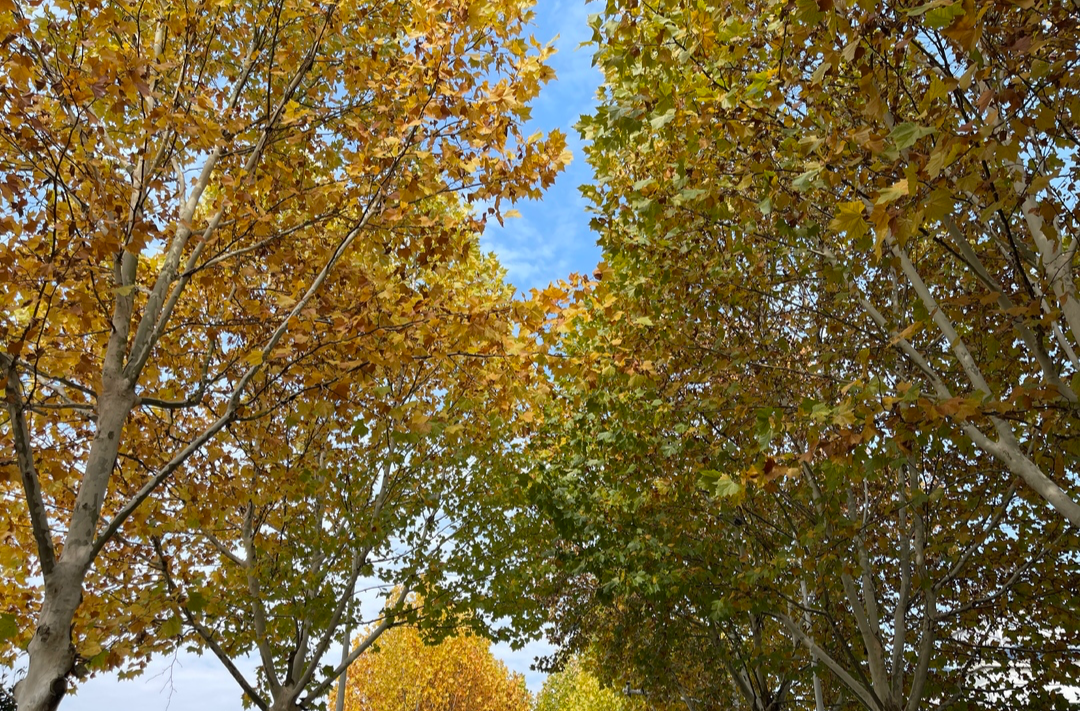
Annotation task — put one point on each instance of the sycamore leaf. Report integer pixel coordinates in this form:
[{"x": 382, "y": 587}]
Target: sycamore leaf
[
  {"x": 941, "y": 17},
  {"x": 196, "y": 601},
  {"x": 806, "y": 180},
  {"x": 849, "y": 220},
  {"x": 719, "y": 484},
  {"x": 939, "y": 204},
  {"x": 663, "y": 119},
  {"x": 9, "y": 627},
  {"x": 905, "y": 135},
  {"x": 893, "y": 193},
  {"x": 171, "y": 627}
]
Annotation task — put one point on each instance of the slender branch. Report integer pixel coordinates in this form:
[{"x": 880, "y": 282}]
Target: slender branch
[
  {"x": 207, "y": 634},
  {"x": 38, "y": 373},
  {"x": 822, "y": 656},
  {"x": 1056, "y": 261},
  {"x": 221, "y": 548},
  {"x": 258, "y": 245},
  {"x": 1005, "y": 586},
  {"x": 24, "y": 453},
  {"x": 1006, "y": 305},
  {"x": 870, "y": 641},
  {"x": 360, "y": 559},
  {"x": 387, "y": 622},
  {"x": 959, "y": 348},
  {"x": 200, "y": 391},
  {"x": 1007, "y": 451},
  {"x": 926, "y": 643},
  {"x": 974, "y": 545},
  {"x": 258, "y": 610},
  {"x": 900, "y": 624},
  {"x": 234, "y": 400},
  {"x": 155, "y": 313}
]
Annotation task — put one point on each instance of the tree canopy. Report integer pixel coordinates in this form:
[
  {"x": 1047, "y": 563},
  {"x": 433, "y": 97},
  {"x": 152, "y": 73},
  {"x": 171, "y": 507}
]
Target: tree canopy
[
  {"x": 813, "y": 415},
  {"x": 216, "y": 218},
  {"x": 575, "y": 689},
  {"x": 406, "y": 671},
  {"x": 806, "y": 438}
]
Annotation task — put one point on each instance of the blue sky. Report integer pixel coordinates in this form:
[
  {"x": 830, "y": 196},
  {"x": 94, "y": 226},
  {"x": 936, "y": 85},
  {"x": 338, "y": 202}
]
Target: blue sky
[
  {"x": 552, "y": 239},
  {"x": 549, "y": 241}
]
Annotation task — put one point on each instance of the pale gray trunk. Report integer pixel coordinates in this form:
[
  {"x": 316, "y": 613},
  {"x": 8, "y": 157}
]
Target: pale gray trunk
[
  {"x": 343, "y": 680},
  {"x": 52, "y": 654},
  {"x": 285, "y": 700},
  {"x": 51, "y": 651}
]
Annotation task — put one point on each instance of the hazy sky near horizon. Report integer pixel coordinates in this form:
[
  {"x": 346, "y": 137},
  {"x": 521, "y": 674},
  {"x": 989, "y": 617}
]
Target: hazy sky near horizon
[{"x": 549, "y": 241}]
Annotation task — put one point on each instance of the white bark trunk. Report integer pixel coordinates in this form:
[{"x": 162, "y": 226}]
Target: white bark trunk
[
  {"x": 52, "y": 654},
  {"x": 285, "y": 700},
  {"x": 51, "y": 651}
]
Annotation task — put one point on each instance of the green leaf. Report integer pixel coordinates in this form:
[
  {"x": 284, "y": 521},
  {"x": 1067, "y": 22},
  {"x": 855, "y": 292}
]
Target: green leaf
[
  {"x": 906, "y": 134},
  {"x": 690, "y": 194},
  {"x": 942, "y": 17},
  {"x": 721, "y": 610},
  {"x": 196, "y": 602},
  {"x": 8, "y": 626},
  {"x": 97, "y": 661},
  {"x": 172, "y": 627},
  {"x": 764, "y": 428},
  {"x": 663, "y": 119},
  {"x": 643, "y": 321},
  {"x": 718, "y": 484},
  {"x": 806, "y": 180}
]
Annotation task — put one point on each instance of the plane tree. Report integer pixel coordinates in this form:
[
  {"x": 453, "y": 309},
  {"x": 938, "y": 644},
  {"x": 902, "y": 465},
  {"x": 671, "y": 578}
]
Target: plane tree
[{"x": 180, "y": 183}]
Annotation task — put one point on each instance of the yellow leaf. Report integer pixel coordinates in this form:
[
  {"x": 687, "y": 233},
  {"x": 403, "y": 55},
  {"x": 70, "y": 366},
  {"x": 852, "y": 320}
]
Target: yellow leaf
[
  {"x": 849, "y": 219},
  {"x": 893, "y": 193}
]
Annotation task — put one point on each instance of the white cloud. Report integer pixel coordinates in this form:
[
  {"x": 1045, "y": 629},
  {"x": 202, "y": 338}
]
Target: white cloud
[{"x": 552, "y": 238}]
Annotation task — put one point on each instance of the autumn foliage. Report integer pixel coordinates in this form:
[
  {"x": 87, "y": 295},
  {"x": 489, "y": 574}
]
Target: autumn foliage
[
  {"x": 456, "y": 674},
  {"x": 573, "y": 688},
  {"x": 815, "y": 413},
  {"x": 807, "y": 438},
  {"x": 215, "y": 215}
]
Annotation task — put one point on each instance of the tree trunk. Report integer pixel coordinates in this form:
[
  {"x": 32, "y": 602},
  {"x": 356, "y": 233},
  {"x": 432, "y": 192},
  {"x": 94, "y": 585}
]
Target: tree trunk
[
  {"x": 51, "y": 651},
  {"x": 285, "y": 700}
]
